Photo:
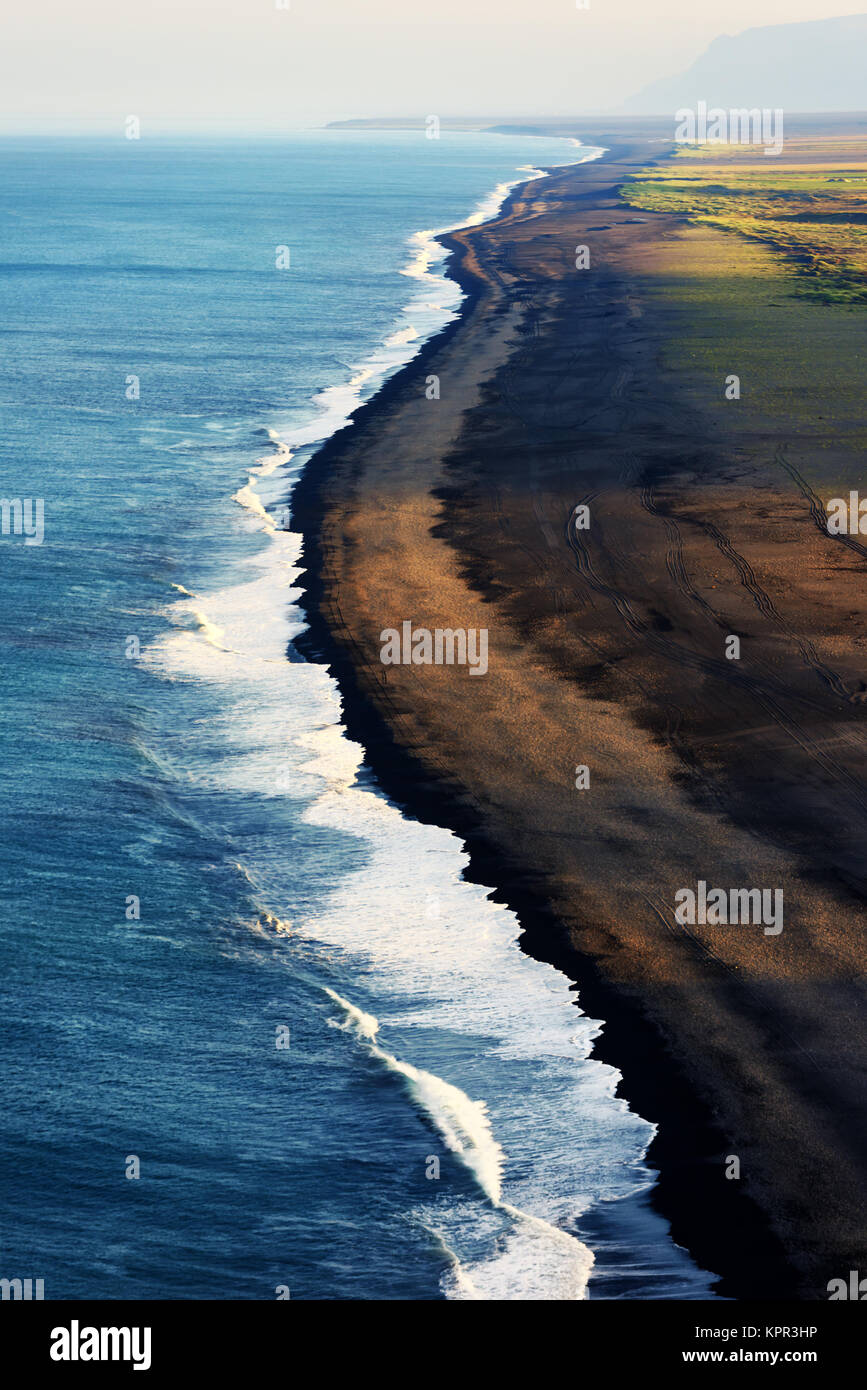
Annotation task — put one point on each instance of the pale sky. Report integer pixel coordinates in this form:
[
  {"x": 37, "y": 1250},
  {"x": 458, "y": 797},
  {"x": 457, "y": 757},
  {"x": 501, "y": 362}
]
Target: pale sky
[{"x": 223, "y": 64}]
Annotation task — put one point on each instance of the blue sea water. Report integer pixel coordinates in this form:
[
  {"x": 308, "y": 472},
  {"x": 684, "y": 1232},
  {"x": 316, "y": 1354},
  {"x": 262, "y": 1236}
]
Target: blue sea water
[{"x": 229, "y": 965}]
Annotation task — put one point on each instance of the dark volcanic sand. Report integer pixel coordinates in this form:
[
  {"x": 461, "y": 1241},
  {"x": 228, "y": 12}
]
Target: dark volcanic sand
[{"x": 607, "y": 649}]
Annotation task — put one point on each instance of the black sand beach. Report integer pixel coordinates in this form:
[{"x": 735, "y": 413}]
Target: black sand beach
[{"x": 603, "y": 387}]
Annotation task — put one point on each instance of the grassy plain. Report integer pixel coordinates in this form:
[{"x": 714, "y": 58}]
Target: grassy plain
[
  {"x": 809, "y": 206},
  {"x": 763, "y": 275}
]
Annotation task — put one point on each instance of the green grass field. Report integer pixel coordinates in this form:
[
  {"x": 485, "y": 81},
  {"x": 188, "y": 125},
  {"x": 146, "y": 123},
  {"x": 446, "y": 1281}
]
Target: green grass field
[{"x": 813, "y": 215}]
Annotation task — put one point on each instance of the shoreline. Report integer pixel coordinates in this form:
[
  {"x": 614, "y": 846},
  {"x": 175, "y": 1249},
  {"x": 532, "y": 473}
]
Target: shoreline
[
  {"x": 622, "y": 1040},
  {"x": 713, "y": 1221}
]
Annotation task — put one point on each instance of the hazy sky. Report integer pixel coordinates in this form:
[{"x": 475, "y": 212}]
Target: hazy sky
[{"x": 70, "y": 64}]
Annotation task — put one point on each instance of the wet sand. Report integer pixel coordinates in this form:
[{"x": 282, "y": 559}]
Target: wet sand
[{"x": 562, "y": 387}]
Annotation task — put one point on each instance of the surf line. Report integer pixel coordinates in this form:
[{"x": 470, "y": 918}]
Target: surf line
[{"x": 463, "y": 1123}]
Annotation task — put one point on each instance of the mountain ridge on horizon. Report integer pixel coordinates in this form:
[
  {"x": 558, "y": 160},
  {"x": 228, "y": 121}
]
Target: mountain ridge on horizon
[{"x": 811, "y": 65}]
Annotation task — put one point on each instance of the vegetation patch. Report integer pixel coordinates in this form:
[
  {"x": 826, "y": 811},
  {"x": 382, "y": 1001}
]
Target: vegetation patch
[{"x": 813, "y": 216}]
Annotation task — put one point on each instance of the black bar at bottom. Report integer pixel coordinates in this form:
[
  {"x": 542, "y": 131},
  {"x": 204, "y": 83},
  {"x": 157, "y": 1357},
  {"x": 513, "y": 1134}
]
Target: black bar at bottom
[{"x": 166, "y": 1340}]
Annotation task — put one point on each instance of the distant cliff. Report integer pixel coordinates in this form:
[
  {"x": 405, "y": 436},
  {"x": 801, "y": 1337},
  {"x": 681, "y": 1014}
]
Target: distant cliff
[{"x": 820, "y": 65}]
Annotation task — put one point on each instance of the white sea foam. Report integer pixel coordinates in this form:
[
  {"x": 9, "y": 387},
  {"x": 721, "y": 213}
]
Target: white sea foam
[
  {"x": 532, "y": 1252},
  {"x": 209, "y": 630},
  {"x": 463, "y": 1123},
  {"x": 547, "y": 1137}
]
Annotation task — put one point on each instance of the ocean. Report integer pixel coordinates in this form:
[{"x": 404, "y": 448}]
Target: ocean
[{"x": 261, "y": 1039}]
